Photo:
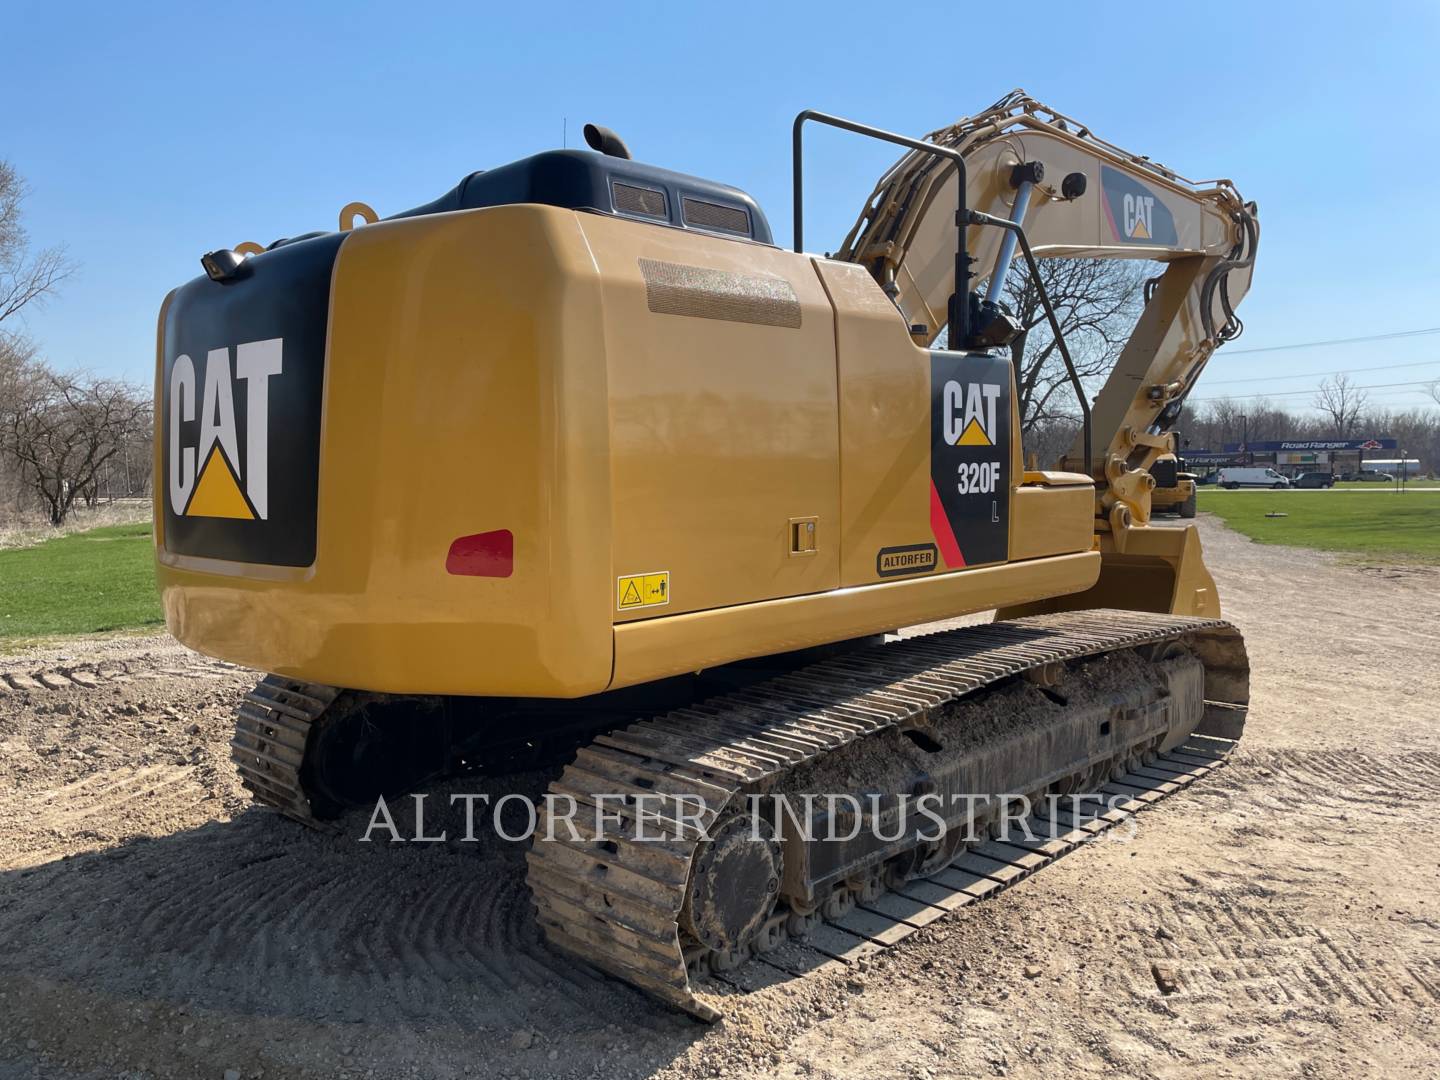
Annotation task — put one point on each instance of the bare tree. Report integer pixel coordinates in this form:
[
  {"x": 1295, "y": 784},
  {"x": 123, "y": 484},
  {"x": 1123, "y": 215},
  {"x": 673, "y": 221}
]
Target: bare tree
[
  {"x": 1219, "y": 419},
  {"x": 1097, "y": 302},
  {"x": 1343, "y": 402},
  {"x": 63, "y": 429},
  {"x": 1047, "y": 440},
  {"x": 15, "y": 357},
  {"x": 25, "y": 276},
  {"x": 1434, "y": 389}
]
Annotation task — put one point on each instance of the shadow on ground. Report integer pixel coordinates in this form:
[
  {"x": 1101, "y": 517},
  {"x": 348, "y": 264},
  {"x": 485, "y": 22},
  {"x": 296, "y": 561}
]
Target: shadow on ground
[{"x": 283, "y": 948}]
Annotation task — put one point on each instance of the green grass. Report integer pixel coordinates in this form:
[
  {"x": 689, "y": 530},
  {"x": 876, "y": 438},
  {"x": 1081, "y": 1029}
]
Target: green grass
[
  {"x": 1373, "y": 485},
  {"x": 1387, "y": 526},
  {"x": 85, "y": 583}
]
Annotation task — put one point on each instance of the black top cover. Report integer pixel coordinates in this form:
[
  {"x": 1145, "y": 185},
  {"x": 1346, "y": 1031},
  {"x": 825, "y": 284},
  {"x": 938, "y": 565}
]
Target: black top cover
[{"x": 582, "y": 180}]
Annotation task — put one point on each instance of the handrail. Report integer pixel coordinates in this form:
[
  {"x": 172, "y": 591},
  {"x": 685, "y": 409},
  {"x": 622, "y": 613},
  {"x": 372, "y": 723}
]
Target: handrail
[{"x": 959, "y": 313}]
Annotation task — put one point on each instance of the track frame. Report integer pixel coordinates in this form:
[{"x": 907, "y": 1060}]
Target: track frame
[{"x": 618, "y": 902}]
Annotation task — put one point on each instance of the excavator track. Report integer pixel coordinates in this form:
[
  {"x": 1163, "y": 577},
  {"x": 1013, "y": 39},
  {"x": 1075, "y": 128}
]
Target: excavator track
[
  {"x": 272, "y": 727},
  {"x": 636, "y": 906}
]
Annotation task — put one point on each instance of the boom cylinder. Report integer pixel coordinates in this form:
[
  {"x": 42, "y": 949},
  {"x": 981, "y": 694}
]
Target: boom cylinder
[{"x": 1024, "y": 177}]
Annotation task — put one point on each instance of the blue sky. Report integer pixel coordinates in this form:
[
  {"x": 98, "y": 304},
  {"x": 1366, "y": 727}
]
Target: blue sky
[{"x": 150, "y": 133}]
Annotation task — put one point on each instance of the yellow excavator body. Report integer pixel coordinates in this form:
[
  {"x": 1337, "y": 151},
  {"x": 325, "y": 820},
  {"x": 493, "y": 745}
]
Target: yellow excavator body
[
  {"x": 578, "y": 442},
  {"x": 748, "y": 426}
]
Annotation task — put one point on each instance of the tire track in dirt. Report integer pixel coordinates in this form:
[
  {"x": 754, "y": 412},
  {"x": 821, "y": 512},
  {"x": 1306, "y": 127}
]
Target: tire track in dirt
[
  {"x": 109, "y": 794},
  {"x": 1323, "y": 784},
  {"x": 1234, "y": 935},
  {"x": 31, "y": 678},
  {"x": 1225, "y": 938},
  {"x": 295, "y": 924}
]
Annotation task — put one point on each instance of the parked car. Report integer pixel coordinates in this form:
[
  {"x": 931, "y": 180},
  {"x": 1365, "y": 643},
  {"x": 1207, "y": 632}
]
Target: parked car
[
  {"x": 1376, "y": 477},
  {"x": 1314, "y": 480},
  {"x": 1256, "y": 477},
  {"x": 1208, "y": 478}
]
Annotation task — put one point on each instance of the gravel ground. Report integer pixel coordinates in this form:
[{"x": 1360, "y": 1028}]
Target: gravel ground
[{"x": 153, "y": 924}]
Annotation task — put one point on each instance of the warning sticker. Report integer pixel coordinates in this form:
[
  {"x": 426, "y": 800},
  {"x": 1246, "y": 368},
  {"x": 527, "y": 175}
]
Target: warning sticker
[{"x": 642, "y": 590}]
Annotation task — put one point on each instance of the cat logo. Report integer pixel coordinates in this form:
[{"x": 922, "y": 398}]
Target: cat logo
[
  {"x": 1139, "y": 216},
  {"x": 970, "y": 453},
  {"x": 1136, "y": 214},
  {"x": 969, "y": 411},
  {"x": 215, "y": 491}
]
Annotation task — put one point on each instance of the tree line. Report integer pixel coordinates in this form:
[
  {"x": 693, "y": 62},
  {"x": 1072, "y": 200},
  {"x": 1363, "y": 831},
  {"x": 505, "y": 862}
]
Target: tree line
[
  {"x": 71, "y": 438},
  {"x": 1340, "y": 412},
  {"x": 66, "y": 438},
  {"x": 1097, "y": 302}
]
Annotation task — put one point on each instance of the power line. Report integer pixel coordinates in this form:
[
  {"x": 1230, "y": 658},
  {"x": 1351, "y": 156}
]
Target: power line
[
  {"x": 1316, "y": 390},
  {"x": 1318, "y": 374},
  {"x": 1334, "y": 341}
]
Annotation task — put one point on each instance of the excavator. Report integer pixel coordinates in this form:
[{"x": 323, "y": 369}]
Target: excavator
[
  {"x": 1176, "y": 489},
  {"x": 575, "y": 467}
]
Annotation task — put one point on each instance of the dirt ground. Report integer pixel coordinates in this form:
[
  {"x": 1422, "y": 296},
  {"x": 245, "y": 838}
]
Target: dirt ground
[{"x": 153, "y": 924}]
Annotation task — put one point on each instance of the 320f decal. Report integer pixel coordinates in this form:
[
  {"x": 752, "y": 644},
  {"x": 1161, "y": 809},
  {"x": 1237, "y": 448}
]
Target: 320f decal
[{"x": 970, "y": 458}]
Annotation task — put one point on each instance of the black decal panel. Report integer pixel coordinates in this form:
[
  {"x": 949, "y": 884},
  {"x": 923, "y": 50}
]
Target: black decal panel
[
  {"x": 906, "y": 559},
  {"x": 243, "y": 369},
  {"x": 970, "y": 457}
]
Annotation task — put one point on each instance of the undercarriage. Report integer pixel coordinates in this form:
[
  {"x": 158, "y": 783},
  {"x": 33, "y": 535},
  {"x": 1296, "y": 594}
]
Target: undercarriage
[{"x": 890, "y": 782}]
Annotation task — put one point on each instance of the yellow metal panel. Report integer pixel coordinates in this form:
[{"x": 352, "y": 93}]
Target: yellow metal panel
[
  {"x": 465, "y": 392},
  {"x": 1161, "y": 569},
  {"x": 653, "y": 650},
  {"x": 722, "y": 413},
  {"x": 884, "y": 423},
  {"x": 1052, "y": 478},
  {"x": 1193, "y": 590},
  {"x": 1049, "y": 521},
  {"x": 651, "y": 473}
]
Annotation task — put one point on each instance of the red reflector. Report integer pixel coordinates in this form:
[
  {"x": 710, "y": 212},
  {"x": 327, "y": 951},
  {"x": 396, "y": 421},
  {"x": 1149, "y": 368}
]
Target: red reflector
[{"x": 488, "y": 554}]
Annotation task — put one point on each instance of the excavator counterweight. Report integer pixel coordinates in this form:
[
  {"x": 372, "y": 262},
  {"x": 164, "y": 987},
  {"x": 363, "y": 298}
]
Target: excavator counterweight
[{"x": 574, "y": 467}]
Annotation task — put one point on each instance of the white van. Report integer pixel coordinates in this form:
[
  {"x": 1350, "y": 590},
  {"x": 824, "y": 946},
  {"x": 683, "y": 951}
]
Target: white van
[{"x": 1236, "y": 478}]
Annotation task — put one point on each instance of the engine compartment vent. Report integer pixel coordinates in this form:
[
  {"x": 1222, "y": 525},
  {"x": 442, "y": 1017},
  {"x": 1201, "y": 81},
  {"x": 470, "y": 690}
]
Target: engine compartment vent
[
  {"x": 709, "y": 215},
  {"x": 646, "y": 202}
]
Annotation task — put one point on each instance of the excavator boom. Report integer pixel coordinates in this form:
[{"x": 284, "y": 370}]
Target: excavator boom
[{"x": 1076, "y": 196}]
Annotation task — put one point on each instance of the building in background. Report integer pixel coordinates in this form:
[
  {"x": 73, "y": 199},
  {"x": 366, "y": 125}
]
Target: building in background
[
  {"x": 1294, "y": 456},
  {"x": 1404, "y": 467}
]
